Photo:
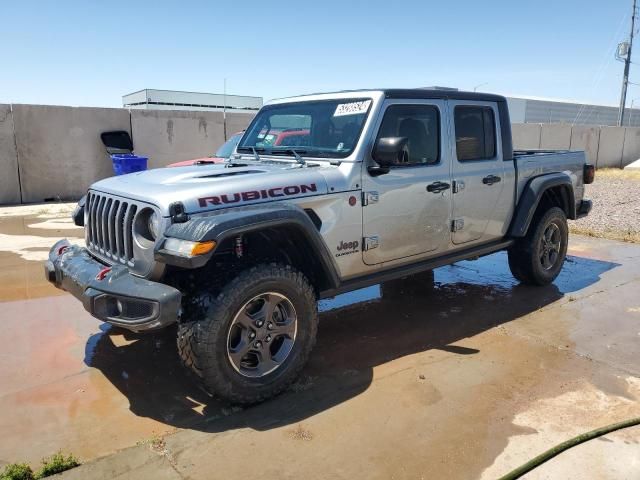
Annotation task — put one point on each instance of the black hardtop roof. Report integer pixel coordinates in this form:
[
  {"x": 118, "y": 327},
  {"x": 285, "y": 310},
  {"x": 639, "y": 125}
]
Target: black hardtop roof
[
  {"x": 444, "y": 94},
  {"x": 426, "y": 93}
]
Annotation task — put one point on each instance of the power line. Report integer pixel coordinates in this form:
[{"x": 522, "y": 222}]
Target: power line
[
  {"x": 627, "y": 65},
  {"x": 604, "y": 65}
]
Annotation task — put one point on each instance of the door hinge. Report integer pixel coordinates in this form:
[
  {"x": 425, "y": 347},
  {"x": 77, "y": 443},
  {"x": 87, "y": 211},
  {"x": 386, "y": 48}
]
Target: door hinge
[
  {"x": 369, "y": 197},
  {"x": 458, "y": 185},
  {"x": 457, "y": 224},
  {"x": 369, "y": 243}
]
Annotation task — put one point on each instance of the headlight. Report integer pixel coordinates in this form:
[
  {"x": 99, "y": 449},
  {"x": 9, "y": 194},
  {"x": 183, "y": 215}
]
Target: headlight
[
  {"x": 153, "y": 223},
  {"x": 186, "y": 248}
]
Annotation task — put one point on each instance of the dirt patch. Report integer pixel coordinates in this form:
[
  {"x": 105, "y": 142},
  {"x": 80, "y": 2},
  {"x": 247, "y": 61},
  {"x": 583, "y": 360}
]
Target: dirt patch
[
  {"x": 616, "y": 207},
  {"x": 301, "y": 433}
]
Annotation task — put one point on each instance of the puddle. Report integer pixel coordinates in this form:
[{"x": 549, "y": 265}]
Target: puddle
[
  {"x": 550, "y": 421},
  {"x": 68, "y": 381},
  {"x": 25, "y": 241}
]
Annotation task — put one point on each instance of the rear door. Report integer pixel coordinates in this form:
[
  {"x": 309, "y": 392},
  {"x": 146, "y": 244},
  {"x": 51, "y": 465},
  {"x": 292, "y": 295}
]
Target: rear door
[
  {"x": 407, "y": 211},
  {"x": 478, "y": 173}
]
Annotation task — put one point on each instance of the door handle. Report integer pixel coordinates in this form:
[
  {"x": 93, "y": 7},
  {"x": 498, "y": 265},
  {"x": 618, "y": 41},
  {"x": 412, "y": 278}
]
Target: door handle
[
  {"x": 437, "y": 187},
  {"x": 491, "y": 179}
]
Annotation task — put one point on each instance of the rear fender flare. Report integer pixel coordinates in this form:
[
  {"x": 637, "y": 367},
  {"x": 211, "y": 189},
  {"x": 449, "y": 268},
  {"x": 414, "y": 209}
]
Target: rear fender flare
[{"x": 531, "y": 196}]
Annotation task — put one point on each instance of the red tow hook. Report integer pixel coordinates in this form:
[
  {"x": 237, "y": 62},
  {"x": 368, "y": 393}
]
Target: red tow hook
[
  {"x": 103, "y": 273},
  {"x": 62, "y": 249}
]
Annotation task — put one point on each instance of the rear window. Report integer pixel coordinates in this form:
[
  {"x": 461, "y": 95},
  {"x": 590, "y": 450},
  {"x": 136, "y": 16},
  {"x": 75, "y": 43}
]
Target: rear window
[{"x": 475, "y": 133}]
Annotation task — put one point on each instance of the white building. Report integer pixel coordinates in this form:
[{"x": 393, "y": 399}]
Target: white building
[
  {"x": 150, "y": 99},
  {"x": 546, "y": 110}
]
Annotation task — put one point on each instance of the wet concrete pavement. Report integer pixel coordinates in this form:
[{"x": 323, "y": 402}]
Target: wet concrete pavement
[{"x": 459, "y": 374}]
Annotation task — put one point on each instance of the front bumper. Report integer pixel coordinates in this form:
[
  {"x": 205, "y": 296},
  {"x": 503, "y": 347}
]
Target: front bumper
[{"x": 118, "y": 298}]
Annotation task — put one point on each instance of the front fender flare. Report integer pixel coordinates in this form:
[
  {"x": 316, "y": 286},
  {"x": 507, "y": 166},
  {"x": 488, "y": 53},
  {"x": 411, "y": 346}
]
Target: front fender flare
[
  {"x": 229, "y": 223},
  {"x": 530, "y": 199}
]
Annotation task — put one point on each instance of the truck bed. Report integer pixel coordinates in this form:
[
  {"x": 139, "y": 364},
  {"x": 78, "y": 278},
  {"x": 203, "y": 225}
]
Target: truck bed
[{"x": 531, "y": 163}]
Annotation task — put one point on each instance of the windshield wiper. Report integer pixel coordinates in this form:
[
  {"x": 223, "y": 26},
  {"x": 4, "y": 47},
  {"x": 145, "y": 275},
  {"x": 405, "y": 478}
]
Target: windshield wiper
[
  {"x": 295, "y": 152},
  {"x": 255, "y": 154},
  {"x": 252, "y": 150},
  {"x": 297, "y": 156}
]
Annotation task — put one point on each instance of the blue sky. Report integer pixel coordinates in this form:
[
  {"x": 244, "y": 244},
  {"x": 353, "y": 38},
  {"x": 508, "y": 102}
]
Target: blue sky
[{"x": 92, "y": 52}]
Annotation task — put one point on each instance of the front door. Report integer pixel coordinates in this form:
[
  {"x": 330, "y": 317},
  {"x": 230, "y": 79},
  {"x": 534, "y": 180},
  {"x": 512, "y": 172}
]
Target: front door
[
  {"x": 478, "y": 173},
  {"x": 407, "y": 211}
]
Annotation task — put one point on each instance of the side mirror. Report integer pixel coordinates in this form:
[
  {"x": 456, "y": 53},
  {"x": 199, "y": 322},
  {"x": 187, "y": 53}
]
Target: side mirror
[{"x": 390, "y": 151}]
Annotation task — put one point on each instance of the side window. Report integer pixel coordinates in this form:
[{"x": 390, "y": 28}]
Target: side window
[
  {"x": 475, "y": 133},
  {"x": 421, "y": 125}
]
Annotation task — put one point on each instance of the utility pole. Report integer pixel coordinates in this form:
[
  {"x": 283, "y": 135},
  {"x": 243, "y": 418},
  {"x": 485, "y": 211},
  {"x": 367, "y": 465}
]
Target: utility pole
[{"x": 627, "y": 64}]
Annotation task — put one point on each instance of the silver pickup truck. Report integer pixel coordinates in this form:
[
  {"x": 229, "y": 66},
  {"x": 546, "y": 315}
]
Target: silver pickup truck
[{"x": 361, "y": 187}]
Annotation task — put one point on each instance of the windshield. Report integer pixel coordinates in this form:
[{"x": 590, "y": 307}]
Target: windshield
[
  {"x": 226, "y": 149},
  {"x": 321, "y": 129}
]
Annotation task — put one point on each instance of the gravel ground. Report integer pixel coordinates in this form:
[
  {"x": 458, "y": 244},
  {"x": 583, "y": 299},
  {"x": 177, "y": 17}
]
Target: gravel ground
[{"x": 616, "y": 207}]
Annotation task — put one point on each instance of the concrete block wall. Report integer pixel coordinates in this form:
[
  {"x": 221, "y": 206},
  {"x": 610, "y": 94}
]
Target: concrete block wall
[
  {"x": 59, "y": 149},
  {"x": 555, "y": 136},
  {"x": 526, "y": 136},
  {"x": 605, "y": 147},
  {"x": 55, "y": 152},
  {"x": 587, "y": 139},
  {"x": 167, "y": 136},
  {"x": 610, "y": 147},
  {"x": 9, "y": 178},
  {"x": 631, "y": 145}
]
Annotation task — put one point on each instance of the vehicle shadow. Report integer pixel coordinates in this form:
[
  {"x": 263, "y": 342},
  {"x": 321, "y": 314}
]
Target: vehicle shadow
[{"x": 358, "y": 331}]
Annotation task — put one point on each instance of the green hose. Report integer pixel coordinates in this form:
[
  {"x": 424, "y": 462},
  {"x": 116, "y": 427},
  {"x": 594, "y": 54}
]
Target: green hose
[{"x": 558, "y": 449}]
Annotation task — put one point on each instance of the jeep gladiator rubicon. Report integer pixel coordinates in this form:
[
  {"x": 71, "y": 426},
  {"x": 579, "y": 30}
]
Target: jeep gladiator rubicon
[{"x": 388, "y": 183}]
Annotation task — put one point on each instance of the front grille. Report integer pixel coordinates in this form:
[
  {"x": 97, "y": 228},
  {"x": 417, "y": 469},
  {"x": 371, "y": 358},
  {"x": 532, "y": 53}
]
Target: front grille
[{"x": 110, "y": 227}]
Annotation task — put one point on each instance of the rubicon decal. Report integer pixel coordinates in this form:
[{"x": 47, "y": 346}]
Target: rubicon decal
[{"x": 257, "y": 195}]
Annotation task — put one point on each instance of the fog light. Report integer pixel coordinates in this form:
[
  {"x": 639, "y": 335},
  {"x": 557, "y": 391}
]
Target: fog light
[{"x": 186, "y": 248}]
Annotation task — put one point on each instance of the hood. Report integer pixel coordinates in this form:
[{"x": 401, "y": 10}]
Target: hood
[{"x": 210, "y": 187}]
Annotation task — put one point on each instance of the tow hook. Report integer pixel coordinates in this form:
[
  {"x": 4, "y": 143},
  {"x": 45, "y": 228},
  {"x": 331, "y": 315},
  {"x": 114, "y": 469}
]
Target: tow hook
[
  {"x": 103, "y": 273},
  {"x": 62, "y": 249}
]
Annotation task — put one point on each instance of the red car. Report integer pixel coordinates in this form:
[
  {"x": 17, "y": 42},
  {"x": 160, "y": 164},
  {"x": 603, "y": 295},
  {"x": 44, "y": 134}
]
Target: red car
[
  {"x": 273, "y": 138},
  {"x": 221, "y": 155},
  {"x": 290, "y": 138}
]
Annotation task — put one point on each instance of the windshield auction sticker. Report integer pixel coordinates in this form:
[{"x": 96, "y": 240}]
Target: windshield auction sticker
[{"x": 353, "y": 108}]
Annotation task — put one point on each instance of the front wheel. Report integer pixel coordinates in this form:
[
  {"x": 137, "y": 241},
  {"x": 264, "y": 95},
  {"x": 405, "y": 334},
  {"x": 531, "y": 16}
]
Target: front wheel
[
  {"x": 254, "y": 337},
  {"x": 537, "y": 258}
]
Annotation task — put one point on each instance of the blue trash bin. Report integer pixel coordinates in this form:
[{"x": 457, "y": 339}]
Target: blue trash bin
[{"x": 124, "y": 163}]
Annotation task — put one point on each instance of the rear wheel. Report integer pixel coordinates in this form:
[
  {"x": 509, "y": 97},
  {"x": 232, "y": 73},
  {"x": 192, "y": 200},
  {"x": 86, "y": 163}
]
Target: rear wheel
[
  {"x": 253, "y": 339},
  {"x": 537, "y": 258}
]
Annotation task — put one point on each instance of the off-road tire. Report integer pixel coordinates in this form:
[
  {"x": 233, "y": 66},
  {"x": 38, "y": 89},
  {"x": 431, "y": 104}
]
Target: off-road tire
[
  {"x": 203, "y": 333},
  {"x": 187, "y": 347},
  {"x": 524, "y": 255}
]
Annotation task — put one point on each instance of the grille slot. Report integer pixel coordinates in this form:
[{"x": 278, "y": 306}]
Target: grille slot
[{"x": 110, "y": 227}]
